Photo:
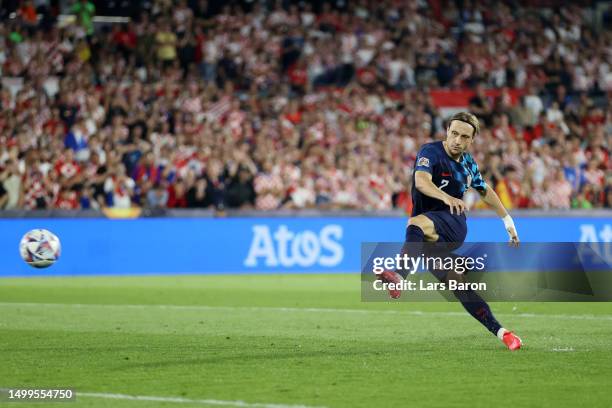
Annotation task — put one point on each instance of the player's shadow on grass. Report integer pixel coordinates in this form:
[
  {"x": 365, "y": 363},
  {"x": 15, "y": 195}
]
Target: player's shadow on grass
[{"x": 250, "y": 356}]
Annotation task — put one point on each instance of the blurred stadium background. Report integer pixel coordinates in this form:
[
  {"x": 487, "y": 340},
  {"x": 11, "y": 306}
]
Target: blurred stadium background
[{"x": 262, "y": 138}]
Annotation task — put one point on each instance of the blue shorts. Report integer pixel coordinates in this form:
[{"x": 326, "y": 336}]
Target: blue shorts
[{"x": 449, "y": 227}]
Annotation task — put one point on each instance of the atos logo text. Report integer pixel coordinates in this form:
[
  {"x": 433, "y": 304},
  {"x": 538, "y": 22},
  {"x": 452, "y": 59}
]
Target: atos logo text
[
  {"x": 287, "y": 248},
  {"x": 589, "y": 233}
]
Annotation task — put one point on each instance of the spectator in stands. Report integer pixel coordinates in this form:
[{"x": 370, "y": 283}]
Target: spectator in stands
[
  {"x": 157, "y": 197},
  {"x": 177, "y": 195},
  {"x": 166, "y": 44},
  {"x": 27, "y": 14},
  {"x": 119, "y": 188},
  {"x": 574, "y": 173},
  {"x": 240, "y": 191},
  {"x": 3, "y": 194},
  {"x": 480, "y": 105},
  {"x": 12, "y": 185},
  {"x": 85, "y": 12},
  {"x": 560, "y": 190},
  {"x": 76, "y": 140},
  {"x": 196, "y": 195}
]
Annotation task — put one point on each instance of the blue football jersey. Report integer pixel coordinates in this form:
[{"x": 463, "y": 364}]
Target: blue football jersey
[{"x": 452, "y": 177}]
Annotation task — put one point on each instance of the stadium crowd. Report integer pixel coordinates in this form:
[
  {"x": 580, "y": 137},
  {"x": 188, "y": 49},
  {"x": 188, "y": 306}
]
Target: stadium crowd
[{"x": 282, "y": 105}]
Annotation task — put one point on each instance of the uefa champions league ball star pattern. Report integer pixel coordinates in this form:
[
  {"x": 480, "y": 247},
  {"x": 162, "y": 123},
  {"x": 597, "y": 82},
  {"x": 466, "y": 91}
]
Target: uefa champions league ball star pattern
[{"x": 40, "y": 248}]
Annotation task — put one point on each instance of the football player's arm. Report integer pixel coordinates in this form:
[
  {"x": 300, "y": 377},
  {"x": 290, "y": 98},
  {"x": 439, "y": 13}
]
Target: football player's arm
[
  {"x": 423, "y": 182},
  {"x": 490, "y": 197}
]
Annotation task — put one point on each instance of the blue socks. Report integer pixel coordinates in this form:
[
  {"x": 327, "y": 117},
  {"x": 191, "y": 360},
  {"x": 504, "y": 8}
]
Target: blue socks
[
  {"x": 471, "y": 301},
  {"x": 478, "y": 308},
  {"x": 414, "y": 234}
]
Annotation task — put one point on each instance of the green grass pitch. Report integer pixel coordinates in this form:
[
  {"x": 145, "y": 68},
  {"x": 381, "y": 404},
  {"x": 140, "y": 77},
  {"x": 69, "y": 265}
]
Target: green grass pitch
[{"x": 291, "y": 340}]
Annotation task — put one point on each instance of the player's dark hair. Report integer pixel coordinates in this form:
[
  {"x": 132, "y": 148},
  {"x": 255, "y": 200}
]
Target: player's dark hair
[{"x": 468, "y": 118}]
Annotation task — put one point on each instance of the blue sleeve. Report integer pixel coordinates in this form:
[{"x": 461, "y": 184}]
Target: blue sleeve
[
  {"x": 478, "y": 182},
  {"x": 426, "y": 159}
]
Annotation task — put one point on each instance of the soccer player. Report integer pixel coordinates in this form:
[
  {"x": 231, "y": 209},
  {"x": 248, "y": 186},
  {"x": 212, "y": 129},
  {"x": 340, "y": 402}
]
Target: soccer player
[{"x": 443, "y": 172}]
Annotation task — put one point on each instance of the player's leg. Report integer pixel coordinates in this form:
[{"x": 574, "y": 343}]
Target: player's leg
[
  {"x": 420, "y": 229},
  {"x": 453, "y": 229},
  {"x": 480, "y": 310},
  {"x": 473, "y": 303}
]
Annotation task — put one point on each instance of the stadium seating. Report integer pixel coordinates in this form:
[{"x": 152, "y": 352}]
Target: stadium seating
[{"x": 298, "y": 107}]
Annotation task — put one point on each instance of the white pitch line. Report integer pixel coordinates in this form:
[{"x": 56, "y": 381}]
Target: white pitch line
[
  {"x": 563, "y": 349},
  {"x": 306, "y": 310},
  {"x": 180, "y": 400}
]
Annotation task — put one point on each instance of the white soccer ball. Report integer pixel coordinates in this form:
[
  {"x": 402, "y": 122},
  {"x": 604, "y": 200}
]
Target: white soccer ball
[{"x": 40, "y": 248}]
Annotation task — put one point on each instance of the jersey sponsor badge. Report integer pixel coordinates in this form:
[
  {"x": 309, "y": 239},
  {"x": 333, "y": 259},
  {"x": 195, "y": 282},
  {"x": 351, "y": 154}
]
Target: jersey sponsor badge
[{"x": 423, "y": 161}]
